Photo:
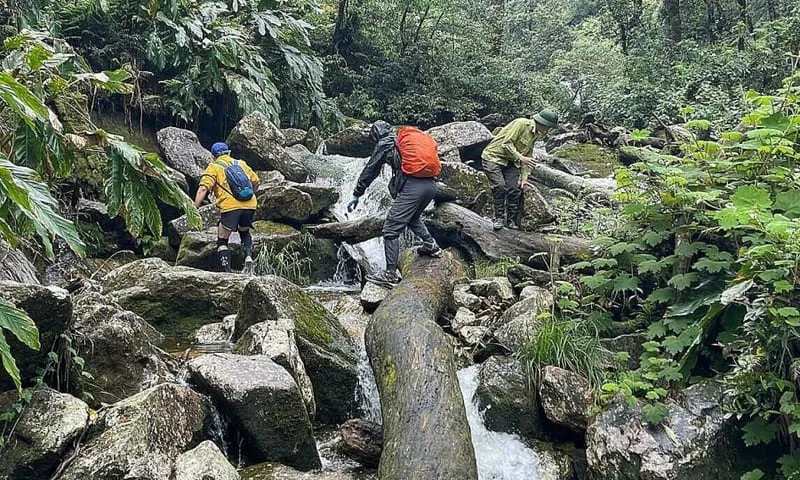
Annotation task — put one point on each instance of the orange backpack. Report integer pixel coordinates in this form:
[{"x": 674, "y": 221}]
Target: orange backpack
[{"x": 418, "y": 155}]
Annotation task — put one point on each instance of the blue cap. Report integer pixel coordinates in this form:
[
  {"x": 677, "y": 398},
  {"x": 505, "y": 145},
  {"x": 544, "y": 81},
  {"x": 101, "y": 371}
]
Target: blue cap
[{"x": 220, "y": 148}]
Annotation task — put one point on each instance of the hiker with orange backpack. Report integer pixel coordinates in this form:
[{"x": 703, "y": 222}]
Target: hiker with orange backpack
[{"x": 415, "y": 165}]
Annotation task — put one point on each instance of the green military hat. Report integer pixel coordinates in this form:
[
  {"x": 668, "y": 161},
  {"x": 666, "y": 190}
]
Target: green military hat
[{"x": 547, "y": 117}]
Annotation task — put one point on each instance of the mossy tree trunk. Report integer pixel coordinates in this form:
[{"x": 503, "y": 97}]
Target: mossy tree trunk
[{"x": 425, "y": 429}]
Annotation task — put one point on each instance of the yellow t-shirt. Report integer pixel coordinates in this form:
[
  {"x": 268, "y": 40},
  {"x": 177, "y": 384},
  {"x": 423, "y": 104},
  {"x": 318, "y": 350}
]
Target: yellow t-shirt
[{"x": 214, "y": 180}]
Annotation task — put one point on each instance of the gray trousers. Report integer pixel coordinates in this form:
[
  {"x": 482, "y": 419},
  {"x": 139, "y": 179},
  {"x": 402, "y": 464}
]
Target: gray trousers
[
  {"x": 504, "y": 181},
  {"x": 406, "y": 210}
]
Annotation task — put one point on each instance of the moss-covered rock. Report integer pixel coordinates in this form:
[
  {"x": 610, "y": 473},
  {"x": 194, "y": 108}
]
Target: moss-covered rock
[
  {"x": 520, "y": 322},
  {"x": 565, "y": 398},
  {"x": 284, "y": 203},
  {"x": 259, "y": 142},
  {"x": 42, "y": 433},
  {"x": 470, "y": 185},
  {"x": 328, "y": 352},
  {"x": 590, "y": 157},
  {"x": 505, "y": 395},
  {"x": 263, "y": 401},
  {"x": 199, "y": 249},
  {"x": 179, "y": 227}
]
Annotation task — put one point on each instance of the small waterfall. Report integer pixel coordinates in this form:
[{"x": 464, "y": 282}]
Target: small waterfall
[
  {"x": 500, "y": 456},
  {"x": 367, "y": 393}
]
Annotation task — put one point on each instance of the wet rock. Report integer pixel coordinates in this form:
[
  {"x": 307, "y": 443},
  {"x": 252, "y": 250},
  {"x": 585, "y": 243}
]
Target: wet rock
[
  {"x": 50, "y": 308},
  {"x": 362, "y": 441},
  {"x": 322, "y": 198},
  {"x": 274, "y": 471},
  {"x": 14, "y": 266},
  {"x": 327, "y": 350},
  {"x": 476, "y": 335},
  {"x": 284, "y": 203},
  {"x": 470, "y": 185},
  {"x": 565, "y": 398},
  {"x": 504, "y": 393},
  {"x": 293, "y": 136},
  {"x": 118, "y": 350},
  {"x": 199, "y": 249},
  {"x": 215, "y": 332},
  {"x": 462, "y": 297},
  {"x": 204, "y": 462},
  {"x": 372, "y": 295},
  {"x": 179, "y": 227},
  {"x": 182, "y": 151},
  {"x": 175, "y": 300},
  {"x": 44, "y": 430},
  {"x": 160, "y": 422},
  {"x": 470, "y": 138},
  {"x": 555, "y": 463},
  {"x": 259, "y": 142},
  {"x": 276, "y": 340},
  {"x": 463, "y": 318},
  {"x": 264, "y": 403},
  {"x": 631, "y": 343},
  {"x": 353, "y": 141},
  {"x": 313, "y": 139},
  {"x": 620, "y": 444},
  {"x": 520, "y": 321},
  {"x": 496, "y": 289},
  {"x": 536, "y": 211}
]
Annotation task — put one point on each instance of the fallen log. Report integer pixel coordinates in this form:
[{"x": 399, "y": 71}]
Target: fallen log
[
  {"x": 425, "y": 429},
  {"x": 455, "y": 226},
  {"x": 555, "y": 178},
  {"x": 350, "y": 231}
]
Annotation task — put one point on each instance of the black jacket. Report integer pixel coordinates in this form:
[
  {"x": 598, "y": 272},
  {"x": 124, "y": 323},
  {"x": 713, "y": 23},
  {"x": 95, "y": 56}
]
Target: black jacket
[{"x": 385, "y": 152}]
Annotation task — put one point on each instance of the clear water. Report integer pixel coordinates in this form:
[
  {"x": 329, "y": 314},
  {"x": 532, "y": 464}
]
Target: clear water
[{"x": 500, "y": 456}]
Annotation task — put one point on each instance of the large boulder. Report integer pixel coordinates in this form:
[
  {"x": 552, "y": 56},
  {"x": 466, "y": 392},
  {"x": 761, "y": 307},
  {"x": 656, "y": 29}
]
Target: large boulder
[
  {"x": 276, "y": 471},
  {"x": 519, "y": 322},
  {"x": 259, "y": 142},
  {"x": 179, "y": 227},
  {"x": 703, "y": 440},
  {"x": 286, "y": 204},
  {"x": 322, "y": 197},
  {"x": 328, "y": 352},
  {"x": 14, "y": 266},
  {"x": 276, "y": 340},
  {"x": 263, "y": 401},
  {"x": 117, "y": 347},
  {"x": 471, "y": 187},
  {"x": 142, "y": 432},
  {"x": 496, "y": 289},
  {"x": 362, "y": 441},
  {"x": 204, "y": 462},
  {"x": 175, "y": 300},
  {"x": 182, "y": 151},
  {"x": 353, "y": 141},
  {"x": 504, "y": 394},
  {"x": 535, "y": 211},
  {"x": 293, "y": 136},
  {"x": 44, "y": 430},
  {"x": 50, "y": 308},
  {"x": 470, "y": 138},
  {"x": 565, "y": 398},
  {"x": 587, "y": 158}
]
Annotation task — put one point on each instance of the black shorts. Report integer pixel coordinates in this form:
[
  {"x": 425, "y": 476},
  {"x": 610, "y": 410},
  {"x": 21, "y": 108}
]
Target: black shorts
[{"x": 236, "y": 219}]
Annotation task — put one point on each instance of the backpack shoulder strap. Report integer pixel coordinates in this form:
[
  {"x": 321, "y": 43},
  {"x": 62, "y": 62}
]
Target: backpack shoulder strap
[{"x": 220, "y": 164}]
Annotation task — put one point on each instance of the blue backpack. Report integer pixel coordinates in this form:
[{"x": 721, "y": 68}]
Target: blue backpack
[{"x": 241, "y": 188}]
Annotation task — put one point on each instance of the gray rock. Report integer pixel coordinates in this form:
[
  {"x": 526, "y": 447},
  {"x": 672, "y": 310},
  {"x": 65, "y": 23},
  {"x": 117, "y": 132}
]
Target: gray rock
[
  {"x": 504, "y": 393},
  {"x": 362, "y": 441},
  {"x": 179, "y": 227},
  {"x": 91, "y": 211},
  {"x": 469, "y": 137},
  {"x": 554, "y": 463},
  {"x": 43, "y": 432},
  {"x": 204, "y": 462},
  {"x": 118, "y": 350},
  {"x": 275, "y": 471},
  {"x": 631, "y": 343},
  {"x": 264, "y": 403},
  {"x": 352, "y": 142},
  {"x": 462, "y": 297},
  {"x": 313, "y": 139},
  {"x": 176, "y": 300},
  {"x": 576, "y": 136},
  {"x": 215, "y": 333},
  {"x": 449, "y": 153},
  {"x": 322, "y": 197},
  {"x": 182, "y": 151},
  {"x": 372, "y": 295},
  {"x": 476, "y": 335},
  {"x": 471, "y": 186},
  {"x": 520, "y": 274},
  {"x": 284, "y": 203},
  {"x": 14, "y": 266},
  {"x": 293, "y": 136},
  {"x": 327, "y": 350},
  {"x": 260, "y": 143},
  {"x": 496, "y": 289},
  {"x": 621, "y": 445},
  {"x": 276, "y": 340},
  {"x": 151, "y": 466},
  {"x": 463, "y": 318},
  {"x": 50, "y": 308},
  {"x": 565, "y": 398},
  {"x": 159, "y": 423},
  {"x": 536, "y": 211},
  {"x": 520, "y": 321}
]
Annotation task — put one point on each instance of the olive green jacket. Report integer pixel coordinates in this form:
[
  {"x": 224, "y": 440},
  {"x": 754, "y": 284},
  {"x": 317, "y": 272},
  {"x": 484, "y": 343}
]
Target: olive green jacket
[{"x": 514, "y": 140}]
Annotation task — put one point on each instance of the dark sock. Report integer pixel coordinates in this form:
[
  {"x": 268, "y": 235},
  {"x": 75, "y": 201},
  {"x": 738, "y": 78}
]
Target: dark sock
[
  {"x": 247, "y": 243},
  {"x": 225, "y": 259}
]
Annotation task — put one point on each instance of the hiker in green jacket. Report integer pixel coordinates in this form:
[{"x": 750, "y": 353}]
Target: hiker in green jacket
[{"x": 507, "y": 162}]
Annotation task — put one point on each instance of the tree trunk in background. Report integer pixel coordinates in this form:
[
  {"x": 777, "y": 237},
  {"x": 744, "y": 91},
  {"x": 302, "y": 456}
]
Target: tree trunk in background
[
  {"x": 425, "y": 430},
  {"x": 672, "y": 16}
]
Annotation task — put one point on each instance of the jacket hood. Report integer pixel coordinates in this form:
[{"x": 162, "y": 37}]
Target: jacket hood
[{"x": 379, "y": 130}]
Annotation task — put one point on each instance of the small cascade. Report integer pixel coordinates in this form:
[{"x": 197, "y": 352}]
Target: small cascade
[
  {"x": 500, "y": 456},
  {"x": 367, "y": 394}
]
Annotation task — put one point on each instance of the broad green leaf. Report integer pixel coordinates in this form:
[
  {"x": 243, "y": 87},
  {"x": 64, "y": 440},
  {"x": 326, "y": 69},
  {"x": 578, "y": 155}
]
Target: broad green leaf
[
  {"x": 625, "y": 282},
  {"x": 19, "y": 324},
  {"x": 759, "y": 431},
  {"x": 655, "y": 413},
  {"x": 682, "y": 281},
  {"x": 662, "y": 295},
  {"x": 750, "y": 196},
  {"x": 712, "y": 266},
  {"x": 756, "y": 474},
  {"x": 9, "y": 364},
  {"x": 789, "y": 203}
]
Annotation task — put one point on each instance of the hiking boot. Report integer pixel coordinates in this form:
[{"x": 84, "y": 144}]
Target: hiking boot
[
  {"x": 497, "y": 224},
  {"x": 430, "y": 249},
  {"x": 248, "y": 266},
  {"x": 513, "y": 225},
  {"x": 384, "y": 279}
]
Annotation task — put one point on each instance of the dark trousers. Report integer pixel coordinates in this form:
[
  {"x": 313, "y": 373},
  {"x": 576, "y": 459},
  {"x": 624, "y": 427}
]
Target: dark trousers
[
  {"x": 506, "y": 192},
  {"x": 406, "y": 211}
]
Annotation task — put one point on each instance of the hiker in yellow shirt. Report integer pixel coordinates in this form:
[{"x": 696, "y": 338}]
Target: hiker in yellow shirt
[
  {"x": 233, "y": 184},
  {"x": 507, "y": 162}
]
